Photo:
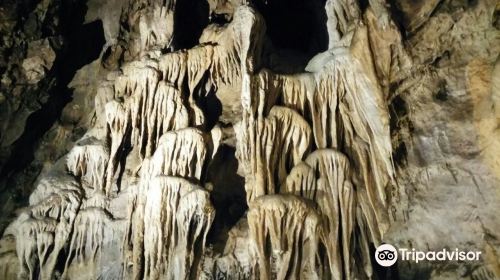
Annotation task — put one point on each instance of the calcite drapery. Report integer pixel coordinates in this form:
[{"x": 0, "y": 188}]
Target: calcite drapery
[
  {"x": 298, "y": 139},
  {"x": 286, "y": 230},
  {"x": 335, "y": 196},
  {"x": 260, "y": 143},
  {"x": 46, "y": 225},
  {"x": 173, "y": 208}
]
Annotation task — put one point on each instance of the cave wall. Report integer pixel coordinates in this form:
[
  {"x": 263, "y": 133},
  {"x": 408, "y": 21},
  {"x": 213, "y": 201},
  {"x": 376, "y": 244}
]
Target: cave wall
[{"x": 230, "y": 139}]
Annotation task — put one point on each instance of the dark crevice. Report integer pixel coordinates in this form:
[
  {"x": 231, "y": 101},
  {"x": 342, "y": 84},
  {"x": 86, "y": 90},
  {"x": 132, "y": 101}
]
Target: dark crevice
[
  {"x": 228, "y": 194},
  {"x": 295, "y": 24},
  {"x": 212, "y": 107},
  {"x": 295, "y": 32},
  {"x": 81, "y": 44},
  {"x": 363, "y": 5},
  {"x": 121, "y": 157},
  {"x": 400, "y": 154},
  {"x": 220, "y": 19},
  {"x": 207, "y": 101},
  {"x": 398, "y": 18},
  {"x": 442, "y": 94},
  {"x": 82, "y": 48},
  {"x": 399, "y": 122},
  {"x": 191, "y": 17}
]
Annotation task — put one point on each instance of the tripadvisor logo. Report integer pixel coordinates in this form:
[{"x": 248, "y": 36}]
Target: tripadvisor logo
[{"x": 386, "y": 255}]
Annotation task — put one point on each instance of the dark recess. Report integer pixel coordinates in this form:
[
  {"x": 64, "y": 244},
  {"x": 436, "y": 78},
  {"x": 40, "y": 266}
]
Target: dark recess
[
  {"x": 191, "y": 17},
  {"x": 442, "y": 94},
  {"x": 296, "y": 30},
  {"x": 82, "y": 44},
  {"x": 398, "y": 122},
  {"x": 295, "y": 24},
  {"x": 228, "y": 195}
]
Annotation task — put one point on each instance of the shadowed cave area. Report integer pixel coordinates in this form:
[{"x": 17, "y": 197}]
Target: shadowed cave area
[
  {"x": 79, "y": 44},
  {"x": 296, "y": 31}
]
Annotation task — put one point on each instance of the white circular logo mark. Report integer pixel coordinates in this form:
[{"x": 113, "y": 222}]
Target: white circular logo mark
[{"x": 386, "y": 255}]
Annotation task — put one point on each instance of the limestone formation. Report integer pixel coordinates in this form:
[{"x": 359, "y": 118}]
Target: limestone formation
[
  {"x": 257, "y": 139},
  {"x": 285, "y": 231}
]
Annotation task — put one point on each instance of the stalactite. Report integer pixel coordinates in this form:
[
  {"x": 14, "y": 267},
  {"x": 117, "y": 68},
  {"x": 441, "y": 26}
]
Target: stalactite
[
  {"x": 177, "y": 215},
  {"x": 180, "y": 153},
  {"x": 299, "y": 139},
  {"x": 46, "y": 225},
  {"x": 154, "y": 106},
  {"x": 33, "y": 254},
  {"x": 269, "y": 147},
  {"x": 346, "y": 111},
  {"x": 284, "y": 231},
  {"x": 194, "y": 219},
  {"x": 117, "y": 119},
  {"x": 88, "y": 161},
  {"x": 341, "y": 17},
  {"x": 88, "y": 235},
  {"x": 149, "y": 26},
  {"x": 332, "y": 190}
]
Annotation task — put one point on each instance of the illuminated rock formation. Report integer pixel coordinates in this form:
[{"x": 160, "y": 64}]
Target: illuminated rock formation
[{"x": 212, "y": 148}]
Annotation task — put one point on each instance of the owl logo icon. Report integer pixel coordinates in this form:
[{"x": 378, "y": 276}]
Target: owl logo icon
[{"x": 386, "y": 255}]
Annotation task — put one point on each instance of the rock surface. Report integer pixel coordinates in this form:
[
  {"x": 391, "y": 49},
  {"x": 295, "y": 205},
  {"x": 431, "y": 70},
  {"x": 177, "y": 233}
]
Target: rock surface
[{"x": 227, "y": 139}]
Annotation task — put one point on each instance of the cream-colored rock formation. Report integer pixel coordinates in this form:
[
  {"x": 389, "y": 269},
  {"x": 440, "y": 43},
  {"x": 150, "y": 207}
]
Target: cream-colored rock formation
[{"x": 317, "y": 149}]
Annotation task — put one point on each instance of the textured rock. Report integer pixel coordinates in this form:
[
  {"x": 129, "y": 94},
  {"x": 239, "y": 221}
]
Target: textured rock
[
  {"x": 222, "y": 139},
  {"x": 39, "y": 60}
]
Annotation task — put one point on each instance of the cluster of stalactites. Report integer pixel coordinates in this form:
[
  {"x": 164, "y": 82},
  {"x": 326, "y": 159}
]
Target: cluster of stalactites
[
  {"x": 324, "y": 178},
  {"x": 44, "y": 227},
  {"x": 151, "y": 107},
  {"x": 180, "y": 153},
  {"x": 219, "y": 55},
  {"x": 169, "y": 214},
  {"x": 88, "y": 161},
  {"x": 347, "y": 113},
  {"x": 285, "y": 231},
  {"x": 298, "y": 200},
  {"x": 153, "y": 100},
  {"x": 336, "y": 108},
  {"x": 177, "y": 216},
  {"x": 268, "y": 147},
  {"x": 146, "y": 106},
  {"x": 88, "y": 235},
  {"x": 148, "y": 26},
  {"x": 152, "y": 112}
]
